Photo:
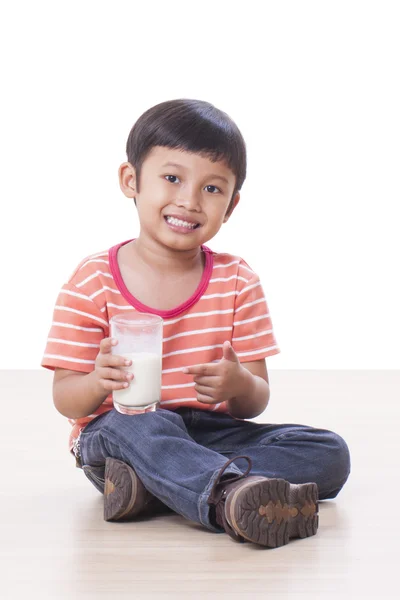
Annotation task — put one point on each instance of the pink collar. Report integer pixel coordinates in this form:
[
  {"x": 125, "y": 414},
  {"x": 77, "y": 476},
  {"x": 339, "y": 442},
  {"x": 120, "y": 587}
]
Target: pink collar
[{"x": 166, "y": 314}]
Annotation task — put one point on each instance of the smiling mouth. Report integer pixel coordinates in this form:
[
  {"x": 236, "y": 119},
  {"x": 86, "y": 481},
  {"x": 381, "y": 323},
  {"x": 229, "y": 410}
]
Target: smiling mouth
[{"x": 181, "y": 223}]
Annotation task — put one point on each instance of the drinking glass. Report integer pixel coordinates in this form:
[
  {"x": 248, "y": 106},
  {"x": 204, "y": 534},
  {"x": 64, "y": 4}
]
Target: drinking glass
[{"x": 140, "y": 337}]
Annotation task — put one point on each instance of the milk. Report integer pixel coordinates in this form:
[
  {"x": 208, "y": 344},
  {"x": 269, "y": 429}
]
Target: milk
[{"x": 145, "y": 387}]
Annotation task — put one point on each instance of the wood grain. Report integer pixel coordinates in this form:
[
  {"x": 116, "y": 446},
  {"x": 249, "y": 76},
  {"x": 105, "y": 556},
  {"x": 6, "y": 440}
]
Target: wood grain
[{"x": 55, "y": 544}]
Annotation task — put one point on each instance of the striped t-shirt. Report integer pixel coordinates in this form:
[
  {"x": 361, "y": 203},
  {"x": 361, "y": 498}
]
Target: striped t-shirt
[{"x": 228, "y": 304}]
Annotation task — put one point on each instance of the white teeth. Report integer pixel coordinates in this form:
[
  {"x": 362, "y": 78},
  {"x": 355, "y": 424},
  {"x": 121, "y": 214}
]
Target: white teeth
[{"x": 180, "y": 223}]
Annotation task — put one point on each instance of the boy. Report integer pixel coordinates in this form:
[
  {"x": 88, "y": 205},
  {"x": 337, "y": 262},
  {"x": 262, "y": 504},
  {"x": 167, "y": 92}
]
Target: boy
[{"x": 186, "y": 165}]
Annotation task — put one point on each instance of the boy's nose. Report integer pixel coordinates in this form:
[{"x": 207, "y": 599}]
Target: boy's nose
[{"x": 189, "y": 199}]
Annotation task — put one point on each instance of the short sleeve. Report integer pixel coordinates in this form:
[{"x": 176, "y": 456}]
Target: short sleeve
[
  {"x": 77, "y": 329},
  {"x": 253, "y": 337}
]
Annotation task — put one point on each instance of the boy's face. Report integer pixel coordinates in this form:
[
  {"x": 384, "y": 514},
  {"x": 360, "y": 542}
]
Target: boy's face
[{"x": 193, "y": 189}]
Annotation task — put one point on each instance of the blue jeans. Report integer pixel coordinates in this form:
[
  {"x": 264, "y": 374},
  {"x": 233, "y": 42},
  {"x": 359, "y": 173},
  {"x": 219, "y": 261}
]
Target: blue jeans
[{"x": 178, "y": 454}]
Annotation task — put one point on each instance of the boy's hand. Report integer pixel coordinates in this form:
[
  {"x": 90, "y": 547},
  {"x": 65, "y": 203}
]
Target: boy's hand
[
  {"x": 108, "y": 368},
  {"x": 220, "y": 381}
]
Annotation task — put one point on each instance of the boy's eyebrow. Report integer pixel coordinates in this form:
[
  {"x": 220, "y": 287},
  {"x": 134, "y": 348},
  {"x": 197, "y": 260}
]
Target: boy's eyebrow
[{"x": 213, "y": 175}]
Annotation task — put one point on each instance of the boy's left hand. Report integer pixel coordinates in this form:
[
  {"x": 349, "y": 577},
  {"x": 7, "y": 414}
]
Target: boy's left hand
[{"x": 220, "y": 381}]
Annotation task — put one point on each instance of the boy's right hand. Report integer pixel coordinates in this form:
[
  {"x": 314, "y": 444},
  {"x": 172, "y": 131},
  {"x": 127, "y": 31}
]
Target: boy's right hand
[{"x": 108, "y": 367}]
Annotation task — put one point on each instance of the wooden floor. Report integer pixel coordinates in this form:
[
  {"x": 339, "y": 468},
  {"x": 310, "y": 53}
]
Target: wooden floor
[{"x": 55, "y": 544}]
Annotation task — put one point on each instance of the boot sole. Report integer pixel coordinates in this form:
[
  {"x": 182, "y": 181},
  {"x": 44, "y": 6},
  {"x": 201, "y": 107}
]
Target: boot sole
[
  {"x": 272, "y": 511},
  {"x": 124, "y": 493}
]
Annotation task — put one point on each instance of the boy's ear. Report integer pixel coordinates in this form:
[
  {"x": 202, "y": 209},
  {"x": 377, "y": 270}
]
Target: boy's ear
[
  {"x": 234, "y": 203},
  {"x": 127, "y": 179}
]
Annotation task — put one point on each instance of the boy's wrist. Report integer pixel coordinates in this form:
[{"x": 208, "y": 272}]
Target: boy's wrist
[
  {"x": 78, "y": 395},
  {"x": 97, "y": 389},
  {"x": 252, "y": 398}
]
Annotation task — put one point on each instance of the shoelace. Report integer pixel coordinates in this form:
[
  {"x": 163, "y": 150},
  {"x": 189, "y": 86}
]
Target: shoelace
[{"x": 217, "y": 497}]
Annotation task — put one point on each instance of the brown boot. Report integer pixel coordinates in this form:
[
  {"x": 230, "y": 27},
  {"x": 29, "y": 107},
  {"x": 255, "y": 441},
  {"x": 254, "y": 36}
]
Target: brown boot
[
  {"x": 263, "y": 510},
  {"x": 124, "y": 494}
]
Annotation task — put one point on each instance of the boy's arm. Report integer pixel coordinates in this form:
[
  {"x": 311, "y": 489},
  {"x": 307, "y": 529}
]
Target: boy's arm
[
  {"x": 76, "y": 395},
  {"x": 252, "y": 337},
  {"x": 254, "y": 398}
]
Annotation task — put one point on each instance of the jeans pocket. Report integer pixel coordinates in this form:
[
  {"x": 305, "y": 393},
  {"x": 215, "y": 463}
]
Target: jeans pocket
[{"x": 95, "y": 476}]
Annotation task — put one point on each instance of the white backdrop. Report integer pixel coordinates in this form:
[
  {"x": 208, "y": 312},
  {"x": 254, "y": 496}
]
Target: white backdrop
[{"x": 314, "y": 88}]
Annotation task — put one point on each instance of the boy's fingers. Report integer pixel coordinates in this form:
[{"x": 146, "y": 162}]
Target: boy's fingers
[
  {"x": 110, "y": 385},
  {"x": 210, "y": 369},
  {"x": 116, "y": 374},
  {"x": 205, "y": 390},
  {"x": 205, "y": 399},
  {"x": 204, "y": 380},
  {"x": 106, "y": 344},
  {"x": 105, "y": 359}
]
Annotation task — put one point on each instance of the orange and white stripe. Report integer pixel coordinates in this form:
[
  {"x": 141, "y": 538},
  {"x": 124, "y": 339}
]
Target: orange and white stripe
[{"x": 229, "y": 304}]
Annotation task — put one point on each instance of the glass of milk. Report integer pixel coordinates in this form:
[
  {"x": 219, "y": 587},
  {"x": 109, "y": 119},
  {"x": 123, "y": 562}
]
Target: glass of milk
[{"x": 140, "y": 338}]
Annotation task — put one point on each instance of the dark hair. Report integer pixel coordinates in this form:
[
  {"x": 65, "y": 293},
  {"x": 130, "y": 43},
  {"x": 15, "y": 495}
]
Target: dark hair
[{"x": 191, "y": 125}]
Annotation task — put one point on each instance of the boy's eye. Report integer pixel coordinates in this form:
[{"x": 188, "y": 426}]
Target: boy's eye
[
  {"x": 172, "y": 177},
  {"x": 215, "y": 188},
  {"x": 207, "y": 186}
]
